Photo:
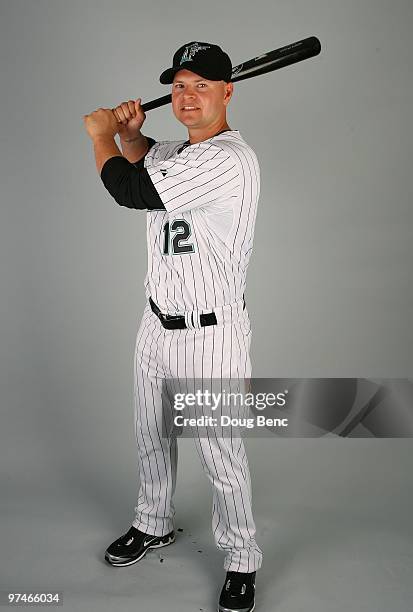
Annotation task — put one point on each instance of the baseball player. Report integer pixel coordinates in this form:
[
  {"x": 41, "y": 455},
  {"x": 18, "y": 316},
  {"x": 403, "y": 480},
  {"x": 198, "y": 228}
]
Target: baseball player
[{"x": 201, "y": 198}]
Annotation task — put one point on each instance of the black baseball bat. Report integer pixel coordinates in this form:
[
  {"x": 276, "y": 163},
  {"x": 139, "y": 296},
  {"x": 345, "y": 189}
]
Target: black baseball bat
[{"x": 267, "y": 62}]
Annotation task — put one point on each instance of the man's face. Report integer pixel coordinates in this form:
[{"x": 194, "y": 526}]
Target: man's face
[{"x": 209, "y": 98}]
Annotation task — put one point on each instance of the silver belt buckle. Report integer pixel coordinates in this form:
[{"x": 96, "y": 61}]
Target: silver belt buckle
[{"x": 169, "y": 317}]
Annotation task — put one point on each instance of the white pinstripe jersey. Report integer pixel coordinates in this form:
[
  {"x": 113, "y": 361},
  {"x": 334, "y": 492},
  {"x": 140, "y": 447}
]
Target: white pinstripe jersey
[{"x": 200, "y": 246}]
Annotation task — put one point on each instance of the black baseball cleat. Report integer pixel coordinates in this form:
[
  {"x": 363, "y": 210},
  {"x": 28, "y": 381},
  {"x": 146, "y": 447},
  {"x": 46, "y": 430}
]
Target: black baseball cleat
[
  {"x": 238, "y": 593},
  {"x": 134, "y": 545}
]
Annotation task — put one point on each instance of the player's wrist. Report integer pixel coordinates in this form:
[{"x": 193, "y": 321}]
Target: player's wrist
[{"x": 133, "y": 139}]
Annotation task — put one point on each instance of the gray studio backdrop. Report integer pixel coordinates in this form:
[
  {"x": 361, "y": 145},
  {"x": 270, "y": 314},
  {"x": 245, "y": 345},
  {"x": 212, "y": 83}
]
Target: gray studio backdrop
[{"x": 329, "y": 290}]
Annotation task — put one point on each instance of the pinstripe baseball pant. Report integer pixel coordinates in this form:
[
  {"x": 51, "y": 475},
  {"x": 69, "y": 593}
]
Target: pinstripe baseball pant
[{"x": 215, "y": 351}]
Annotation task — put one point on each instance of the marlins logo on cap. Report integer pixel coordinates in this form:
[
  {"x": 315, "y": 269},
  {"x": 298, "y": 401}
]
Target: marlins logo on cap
[{"x": 191, "y": 50}]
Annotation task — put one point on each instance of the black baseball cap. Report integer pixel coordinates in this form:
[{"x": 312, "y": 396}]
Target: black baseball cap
[{"x": 205, "y": 59}]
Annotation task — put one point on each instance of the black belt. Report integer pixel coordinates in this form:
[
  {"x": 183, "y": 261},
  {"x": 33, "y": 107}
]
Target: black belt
[{"x": 178, "y": 321}]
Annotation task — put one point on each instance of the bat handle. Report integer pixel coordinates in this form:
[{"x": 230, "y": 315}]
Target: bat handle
[
  {"x": 154, "y": 103},
  {"x": 157, "y": 103}
]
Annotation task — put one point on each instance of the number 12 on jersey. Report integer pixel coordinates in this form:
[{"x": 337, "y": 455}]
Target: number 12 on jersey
[{"x": 175, "y": 235}]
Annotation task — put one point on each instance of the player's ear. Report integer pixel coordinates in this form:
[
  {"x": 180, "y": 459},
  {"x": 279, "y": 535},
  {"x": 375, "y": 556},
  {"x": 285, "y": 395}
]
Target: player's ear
[{"x": 229, "y": 90}]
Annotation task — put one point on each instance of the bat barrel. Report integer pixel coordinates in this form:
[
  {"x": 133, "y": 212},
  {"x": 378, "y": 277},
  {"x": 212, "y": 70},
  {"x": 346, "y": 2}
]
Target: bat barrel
[{"x": 290, "y": 54}]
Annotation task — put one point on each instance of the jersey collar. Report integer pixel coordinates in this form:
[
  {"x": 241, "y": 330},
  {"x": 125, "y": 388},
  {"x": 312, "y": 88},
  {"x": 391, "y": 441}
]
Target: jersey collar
[{"x": 187, "y": 143}]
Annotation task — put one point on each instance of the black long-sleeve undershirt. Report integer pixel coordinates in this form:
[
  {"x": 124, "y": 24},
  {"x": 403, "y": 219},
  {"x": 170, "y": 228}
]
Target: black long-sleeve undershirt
[{"x": 130, "y": 184}]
